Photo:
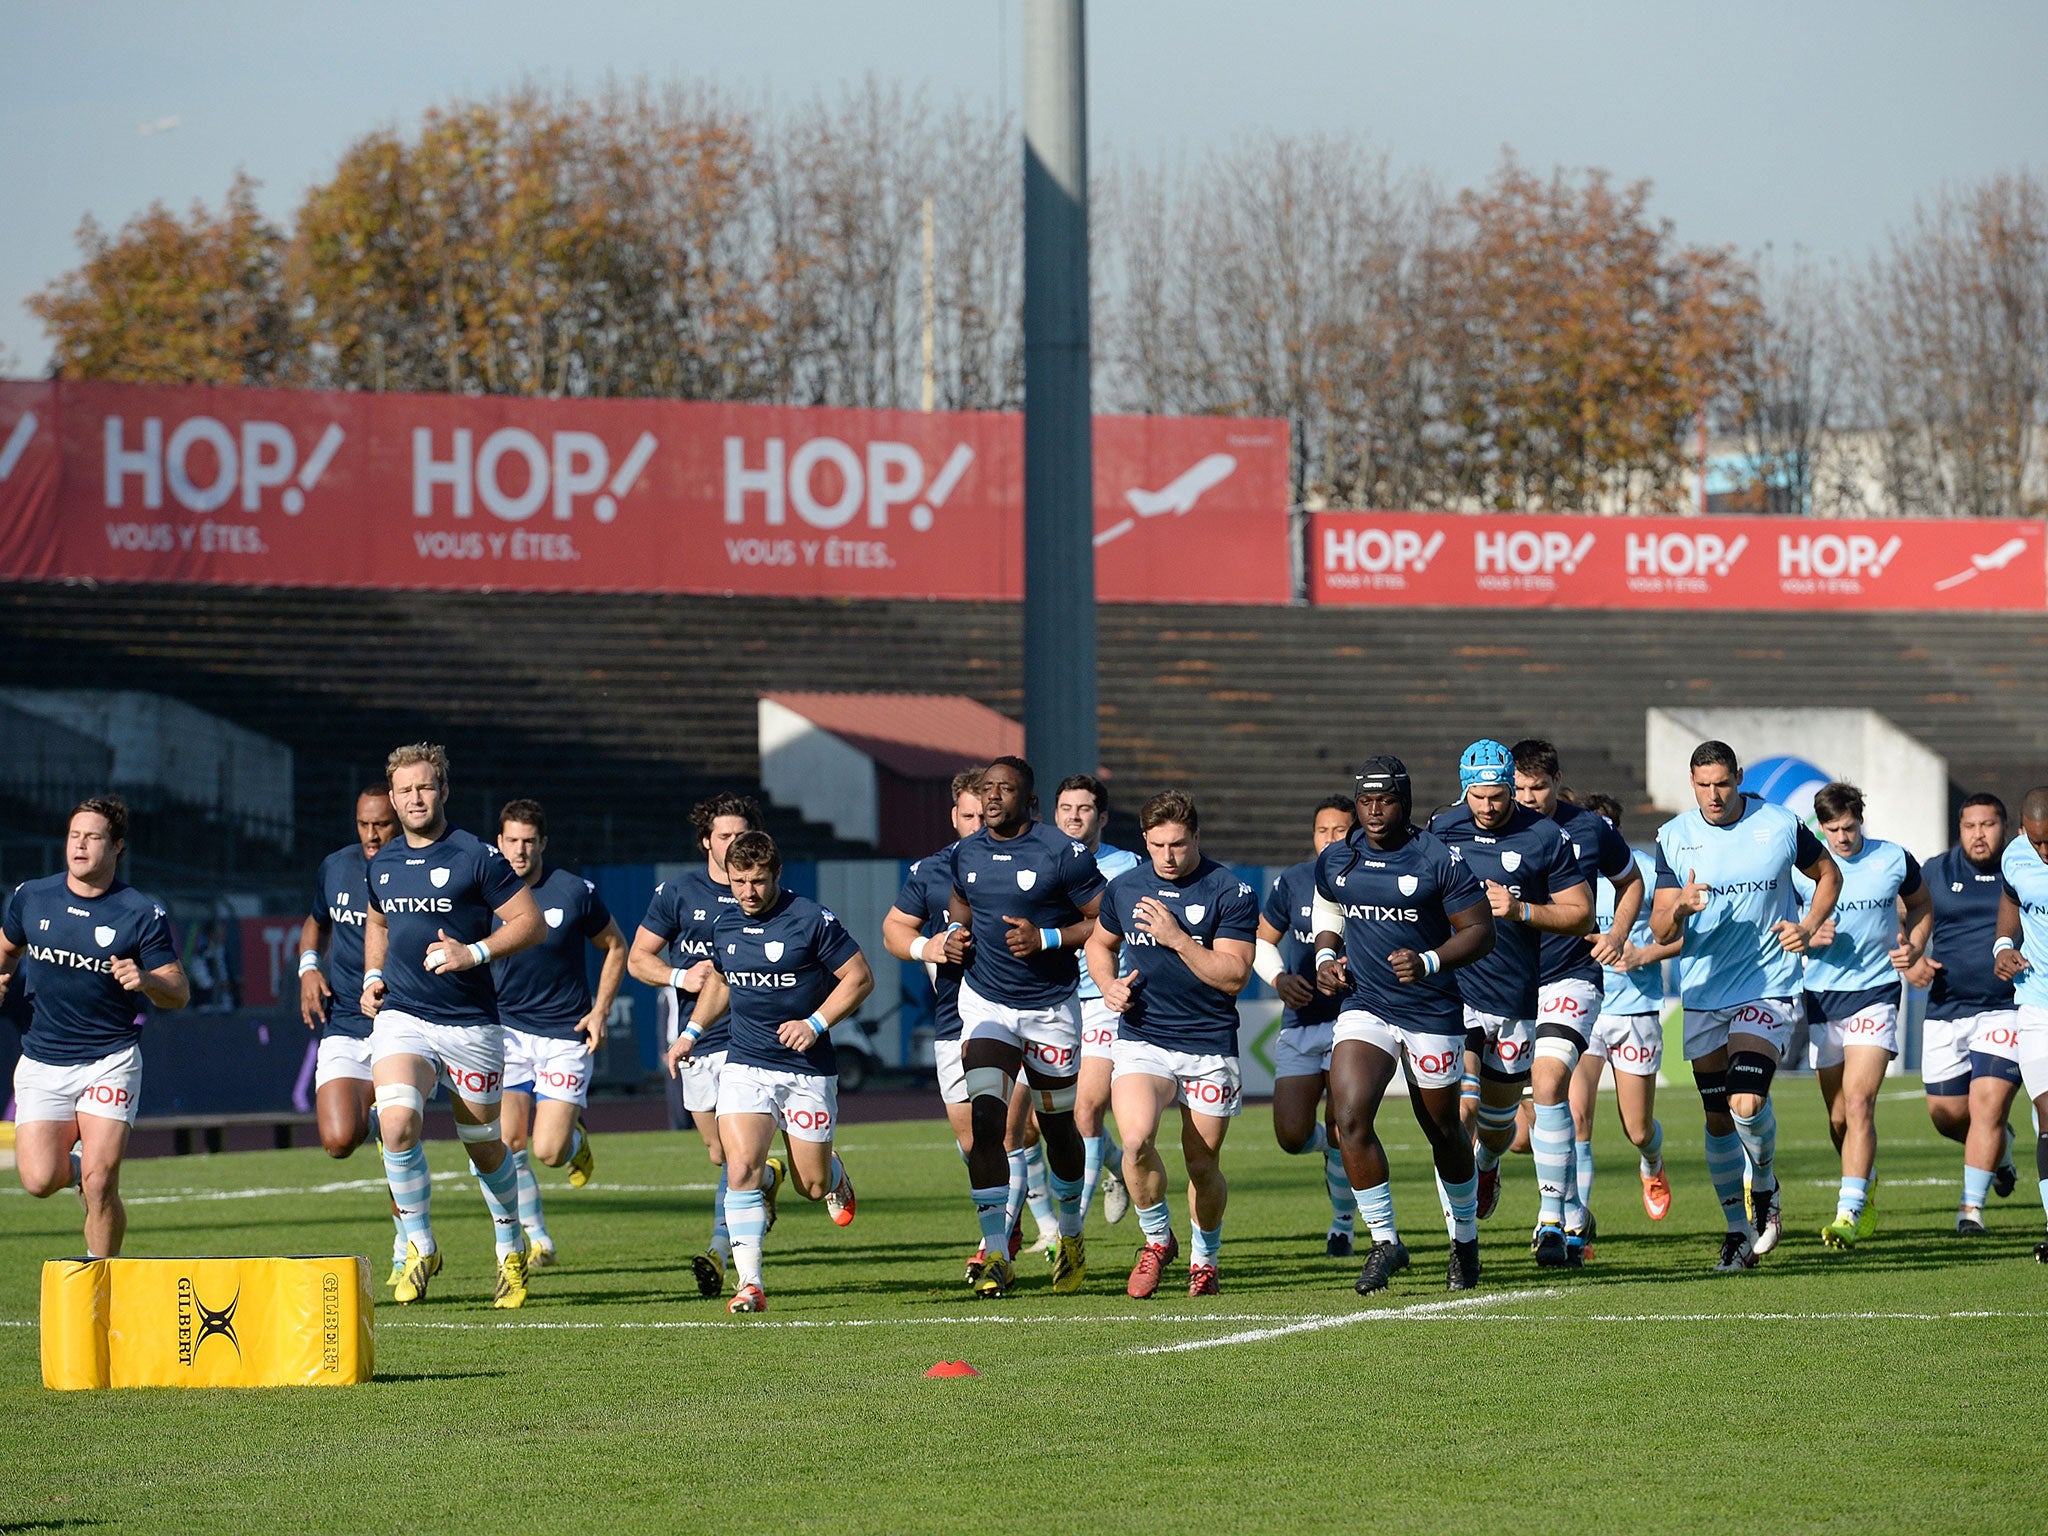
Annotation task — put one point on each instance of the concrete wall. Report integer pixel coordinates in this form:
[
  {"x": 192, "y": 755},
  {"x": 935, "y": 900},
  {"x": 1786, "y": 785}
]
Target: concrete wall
[
  {"x": 818, "y": 773},
  {"x": 1904, "y": 784}
]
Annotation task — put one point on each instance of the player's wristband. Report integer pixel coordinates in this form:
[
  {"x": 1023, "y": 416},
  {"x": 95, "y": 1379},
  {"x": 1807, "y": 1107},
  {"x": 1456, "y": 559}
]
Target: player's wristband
[
  {"x": 309, "y": 960},
  {"x": 675, "y": 979},
  {"x": 2001, "y": 946},
  {"x": 1432, "y": 962},
  {"x": 693, "y": 1030},
  {"x": 817, "y": 1022},
  {"x": 370, "y": 976},
  {"x": 480, "y": 953},
  {"x": 1050, "y": 938},
  {"x": 1324, "y": 957},
  {"x": 1525, "y": 912}
]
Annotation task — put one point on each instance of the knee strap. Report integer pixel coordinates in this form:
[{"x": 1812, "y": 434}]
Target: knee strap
[
  {"x": 1713, "y": 1088},
  {"x": 1056, "y": 1101},
  {"x": 1559, "y": 1047},
  {"x": 401, "y": 1096},
  {"x": 988, "y": 1083},
  {"x": 473, "y": 1134},
  {"x": 1751, "y": 1072}
]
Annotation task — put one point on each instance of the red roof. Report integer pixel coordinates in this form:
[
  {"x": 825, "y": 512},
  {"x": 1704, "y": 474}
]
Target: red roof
[{"x": 918, "y": 735}]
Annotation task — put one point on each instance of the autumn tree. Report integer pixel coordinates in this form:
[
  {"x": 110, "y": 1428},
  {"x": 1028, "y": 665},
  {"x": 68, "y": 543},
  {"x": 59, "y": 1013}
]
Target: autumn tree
[
  {"x": 1789, "y": 393},
  {"x": 167, "y": 300}
]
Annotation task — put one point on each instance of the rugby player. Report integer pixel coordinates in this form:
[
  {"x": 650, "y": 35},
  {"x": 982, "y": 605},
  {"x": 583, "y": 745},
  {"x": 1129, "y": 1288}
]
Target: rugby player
[
  {"x": 1407, "y": 913},
  {"x": 428, "y": 944},
  {"x": 91, "y": 949},
  {"x": 1026, "y": 897},
  {"x": 920, "y": 916},
  {"x": 1629, "y": 1033},
  {"x": 1285, "y": 961},
  {"x": 342, "y": 1096},
  {"x": 1853, "y": 966},
  {"x": 554, "y": 1024},
  {"x": 1570, "y": 983},
  {"x": 786, "y": 971},
  {"x": 1724, "y": 887},
  {"x": 2022, "y": 926},
  {"x": 1189, "y": 926},
  {"x": 672, "y": 949},
  {"x": 1966, "y": 1002},
  {"x": 1533, "y": 886}
]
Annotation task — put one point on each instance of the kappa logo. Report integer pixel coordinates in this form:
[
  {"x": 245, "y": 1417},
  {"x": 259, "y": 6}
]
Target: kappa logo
[
  {"x": 197, "y": 1322},
  {"x": 554, "y": 917},
  {"x": 1026, "y": 878},
  {"x": 104, "y": 936},
  {"x": 1409, "y": 885},
  {"x": 773, "y": 949},
  {"x": 1197, "y": 912},
  {"x": 1510, "y": 860},
  {"x": 439, "y": 877}
]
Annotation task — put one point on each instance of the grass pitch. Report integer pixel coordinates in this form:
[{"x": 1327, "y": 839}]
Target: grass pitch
[{"x": 1896, "y": 1387}]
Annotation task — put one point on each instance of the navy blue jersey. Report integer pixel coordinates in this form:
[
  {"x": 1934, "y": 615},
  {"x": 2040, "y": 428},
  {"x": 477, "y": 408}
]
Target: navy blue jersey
[
  {"x": 1597, "y": 850},
  {"x": 341, "y": 900},
  {"x": 80, "y": 1012},
  {"x": 1965, "y": 927},
  {"x": 1170, "y": 1006},
  {"x": 1530, "y": 855},
  {"x": 780, "y": 966},
  {"x": 1399, "y": 898},
  {"x": 681, "y": 916},
  {"x": 1290, "y": 907},
  {"x": 455, "y": 884},
  {"x": 545, "y": 990},
  {"x": 1040, "y": 875},
  {"x": 927, "y": 895}
]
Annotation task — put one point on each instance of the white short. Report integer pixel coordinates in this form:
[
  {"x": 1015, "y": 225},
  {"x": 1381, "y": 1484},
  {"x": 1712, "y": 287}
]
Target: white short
[
  {"x": 1303, "y": 1051},
  {"x": 1996, "y": 1034},
  {"x": 1435, "y": 1061},
  {"x": 1631, "y": 1042},
  {"x": 701, "y": 1076},
  {"x": 1572, "y": 1004},
  {"x": 1509, "y": 1042},
  {"x": 1768, "y": 1018},
  {"x": 342, "y": 1059},
  {"x": 548, "y": 1068},
  {"x": 2031, "y": 1049},
  {"x": 1098, "y": 1029},
  {"x": 1208, "y": 1085},
  {"x": 469, "y": 1059},
  {"x": 1050, "y": 1038},
  {"x": 1945, "y": 1045},
  {"x": 110, "y": 1088},
  {"x": 804, "y": 1105},
  {"x": 1829, "y": 1039},
  {"x": 952, "y": 1076}
]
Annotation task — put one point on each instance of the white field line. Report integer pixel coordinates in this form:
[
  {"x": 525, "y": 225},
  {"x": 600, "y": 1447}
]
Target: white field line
[
  {"x": 1428, "y": 1311},
  {"x": 1748, "y": 1317},
  {"x": 354, "y": 1186}
]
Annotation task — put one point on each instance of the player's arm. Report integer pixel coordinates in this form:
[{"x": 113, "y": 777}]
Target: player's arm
[
  {"x": 2007, "y": 958},
  {"x": 904, "y": 937},
  {"x": 1820, "y": 867},
  {"x": 1675, "y": 901},
  {"x": 1294, "y": 990},
  {"x": 1103, "y": 948},
  {"x": 1638, "y": 959},
  {"x": 520, "y": 926},
  {"x": 855, "y": 982},
  {"x": 376, "y": 946},
  {"x": 1472, "y": 936},
  {"x": 1916, "y": 927},
  {"x": 1568, "y": 911},
  {"x": 610, "y": 973},
  {"x": 1327, "y": 919},
  {"x": 315, "y": 995},
  {"x": 1629, "y": 892},
  {"x": 713, "y": 998},
  {"x": 164, "y": 986},
  {"x": 1025, "y": 938}
]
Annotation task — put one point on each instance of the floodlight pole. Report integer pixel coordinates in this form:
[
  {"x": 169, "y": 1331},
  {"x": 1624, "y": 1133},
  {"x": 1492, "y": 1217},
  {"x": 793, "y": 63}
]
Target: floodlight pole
[{"x": 1059, "y": 482}]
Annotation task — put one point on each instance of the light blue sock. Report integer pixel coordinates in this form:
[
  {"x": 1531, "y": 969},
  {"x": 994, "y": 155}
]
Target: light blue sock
[
  {"x": 530, "y": 1217},
  {"x": 576, "y": 1140},
  {"x": 1550, "y": 1144},
  {"x": 1038, "y": 1187},
  {"x": 992, "y": 1210},
  {"x": 1493, "y": 1118},
  {"x": 834, "y": 1172},
  {"x": 1376, "y": 1208},
  {"x": 1020, "y": 1176},
  {"x": 746, "y": 1217},
  {"x": 721, "y": 1233},
  {"x": 412, "y": 1187},
  {"x": 1338, "y": 1183},
  {"x": 1582, "y": 1168},
  {"x": 1724, "y": 1168},
  {"x": 1652, "y": 1157},
  {"x": 1976, "y": 1186},
  {"x": 1091, "y": 1170},
  {"x": 1462, "y": 1201},
  {"x": 397, "y": 1240},
  {"x": 1156, "y": 1222},
  {"x": 1208, "y": 1241},
  {"x": 1066, "y": 1194},
  {"x": 1850, "y": 1201},
  {"x": 1759, "y": 1137},
  {"x": 501, "y": 1194}
]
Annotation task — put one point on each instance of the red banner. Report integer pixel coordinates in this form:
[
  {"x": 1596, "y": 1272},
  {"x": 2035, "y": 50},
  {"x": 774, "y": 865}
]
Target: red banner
[
  {"x": 300, "y": 488},
  {"x": 1411, "y": 560}
]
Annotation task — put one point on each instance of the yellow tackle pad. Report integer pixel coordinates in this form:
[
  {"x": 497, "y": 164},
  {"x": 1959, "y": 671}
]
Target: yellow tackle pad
[{"x": 301, "y": 1322}]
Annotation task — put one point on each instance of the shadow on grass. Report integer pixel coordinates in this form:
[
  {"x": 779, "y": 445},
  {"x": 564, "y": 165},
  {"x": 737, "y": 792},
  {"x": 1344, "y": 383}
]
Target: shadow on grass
[{"x": 400, "y": 1378}]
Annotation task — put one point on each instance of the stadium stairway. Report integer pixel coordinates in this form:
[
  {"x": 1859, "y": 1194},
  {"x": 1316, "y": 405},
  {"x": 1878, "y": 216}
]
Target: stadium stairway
[{"x": 617, "y": 711}]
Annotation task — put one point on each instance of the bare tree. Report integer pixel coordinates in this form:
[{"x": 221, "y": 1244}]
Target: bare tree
[{"x": 1788, "y": 395}]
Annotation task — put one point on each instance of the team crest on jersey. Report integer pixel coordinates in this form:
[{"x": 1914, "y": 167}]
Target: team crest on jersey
[
  {"x": 1197, "y": 912},
  {"x": 772, "y": 949},
  {"x": 105, "y": 936},
  {"x": 1510, "y": 860},
  {"x": 1409, "y": 884},
  {"x": 439, "y": 877},
  {"x": 1026, "y": 878},
  {"x": 554, "y": 917}
]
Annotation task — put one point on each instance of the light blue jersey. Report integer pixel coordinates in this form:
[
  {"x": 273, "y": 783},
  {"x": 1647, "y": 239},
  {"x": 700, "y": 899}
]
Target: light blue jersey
[
  {"x": 1866, "y": 919},
  {"x": 1640, "y": 991},
  {"x": 1112, "y": 862},
  {"x": 2026, "y": 882},
  {"x": 1731, "y": 955}
]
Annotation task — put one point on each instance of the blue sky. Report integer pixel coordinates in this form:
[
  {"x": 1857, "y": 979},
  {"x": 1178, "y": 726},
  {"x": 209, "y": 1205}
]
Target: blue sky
[{"x": 1812, "y": 125}]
